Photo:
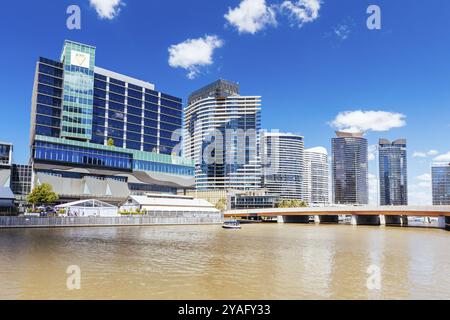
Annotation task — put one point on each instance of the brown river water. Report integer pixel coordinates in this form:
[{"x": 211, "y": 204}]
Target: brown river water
[{"x": 261, "y": 261}]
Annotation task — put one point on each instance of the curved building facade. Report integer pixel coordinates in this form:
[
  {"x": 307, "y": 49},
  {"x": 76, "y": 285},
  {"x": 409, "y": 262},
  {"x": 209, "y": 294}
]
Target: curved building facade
[
  {"x": 283, "y": 165},
  {"x": 350, "y": 169},
  {"x": 221, "y": 135},
  {"x": 316, "y": 176}
]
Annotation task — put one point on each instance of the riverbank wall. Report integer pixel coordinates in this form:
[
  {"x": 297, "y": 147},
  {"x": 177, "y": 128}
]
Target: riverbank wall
[{"x": 145, "y": 220}]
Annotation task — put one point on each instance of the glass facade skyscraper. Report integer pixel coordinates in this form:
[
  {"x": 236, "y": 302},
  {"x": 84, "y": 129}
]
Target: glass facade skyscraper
[
  {"x": 282, "y": 156},
  {"x": 221, "y": 134},
  {"x": 441, "y": 184},
  {"x": 350, "y": 169},
  {"x": 393, "y": 172},
  {"x": 91, "y": 122}
]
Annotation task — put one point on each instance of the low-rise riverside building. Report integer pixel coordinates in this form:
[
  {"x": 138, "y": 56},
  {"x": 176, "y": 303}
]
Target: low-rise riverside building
[{"x": 169, "y": 205}]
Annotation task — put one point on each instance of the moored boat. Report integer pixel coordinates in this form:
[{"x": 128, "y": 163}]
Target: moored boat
[{"x": 231, "y": 224}]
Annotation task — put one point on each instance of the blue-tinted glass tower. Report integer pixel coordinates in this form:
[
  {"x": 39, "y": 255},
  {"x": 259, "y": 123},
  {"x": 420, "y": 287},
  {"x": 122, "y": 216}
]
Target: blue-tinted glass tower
[
  {"x": 393, "y": 172},
  {"x": 441, "y": 184},
  {"x": 350, "y": 169}
]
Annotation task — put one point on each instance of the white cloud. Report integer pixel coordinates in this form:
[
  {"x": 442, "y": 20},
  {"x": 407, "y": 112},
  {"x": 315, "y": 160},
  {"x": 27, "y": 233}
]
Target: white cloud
[
  {"x": 301, "y": 11},
  {"x": 431, "y": 153},
  {"x": 419, "y": 154},
  {"x": 420, "y": 191},
  {"x": 107, "y": 9},
  {"x": 372, "y": 152},
  {"x": 361, "y": 121},
  {"x": 194, "y": 53},
  {"x": 426, "y": 177},
  {"x": 443, "y": 157},
  {"x": 251, "y": 16}
]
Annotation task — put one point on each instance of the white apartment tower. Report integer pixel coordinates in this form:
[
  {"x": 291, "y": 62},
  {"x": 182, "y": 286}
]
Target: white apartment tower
[
  {"x": 316, "y": 176},
  {"x": 282, "y": 161},
  {"x": 221, "y": 135}
]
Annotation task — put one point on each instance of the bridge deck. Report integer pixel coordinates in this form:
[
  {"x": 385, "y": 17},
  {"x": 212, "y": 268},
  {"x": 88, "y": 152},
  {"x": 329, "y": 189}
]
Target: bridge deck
[{"x": 413, "y": 211}]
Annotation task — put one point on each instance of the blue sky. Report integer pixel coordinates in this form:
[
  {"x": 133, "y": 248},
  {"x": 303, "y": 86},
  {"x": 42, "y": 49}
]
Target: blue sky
[{"x": 308, "y": 67}]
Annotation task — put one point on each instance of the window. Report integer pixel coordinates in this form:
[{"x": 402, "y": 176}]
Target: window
[
  {"x": 133, "y": 145},
  {"x": 134, "y": 94},
  {"x": 134, "y": 111},
  {"x": 48, "y": 121},
  {"x": 47, "y": 110},
  {"x": 133, "y": 136},
  {"x": 117, "y": 89}
]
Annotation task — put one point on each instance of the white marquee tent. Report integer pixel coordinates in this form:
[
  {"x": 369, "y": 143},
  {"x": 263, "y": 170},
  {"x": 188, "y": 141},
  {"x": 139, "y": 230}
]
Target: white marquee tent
[{"x": 89, "y": 208}]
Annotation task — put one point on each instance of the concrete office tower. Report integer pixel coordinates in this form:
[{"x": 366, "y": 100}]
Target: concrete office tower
[
  {"x": 99, "y": 134},
  {"x": 282, "y": 156},
  {"x": 316, "y": 176},
  {"x": 441, "y": 184},
  {"x": 393, "y": 172},
  {"x": 350, "y": 169},
  {"x": 221, "y": 134}
]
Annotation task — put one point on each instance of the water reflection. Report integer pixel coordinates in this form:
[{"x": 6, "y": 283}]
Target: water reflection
[{"x": 264, "y": 261}]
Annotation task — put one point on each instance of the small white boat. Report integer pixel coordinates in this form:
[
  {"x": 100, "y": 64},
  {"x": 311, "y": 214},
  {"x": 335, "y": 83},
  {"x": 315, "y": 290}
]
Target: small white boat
[{"x": 231, "y": 224}]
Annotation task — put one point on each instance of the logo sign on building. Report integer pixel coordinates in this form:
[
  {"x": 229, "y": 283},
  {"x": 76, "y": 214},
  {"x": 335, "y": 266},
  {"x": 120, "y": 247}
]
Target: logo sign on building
[{"x": 80, "y": 59}]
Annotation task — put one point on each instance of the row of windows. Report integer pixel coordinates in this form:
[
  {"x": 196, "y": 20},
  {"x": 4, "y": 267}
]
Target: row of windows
[
  {"x": 49, "y": 70},
  {"x": 77, "y": 69},
  {"x": 49, "y": 111},
  {"x": 161, "y": 167},
  {"x": 118, "y": 111},
  {"x": 79, "y": 100},
  {"x": 86, "y": 111},
  {"x": 76, "y": 155},
  {"x": 47, "y": 131},
  {"x": 135, "y": 99},
  {"x": 82, "y": 131},
  {"x": 51, "y": 101},
  {"x": 100, "y": 130},
  {"x": 92, "y": 157},
  {"x": 48, "y": 121},
  {"x": 133, "y": 91},
  {"x": 49, "y": 80}
]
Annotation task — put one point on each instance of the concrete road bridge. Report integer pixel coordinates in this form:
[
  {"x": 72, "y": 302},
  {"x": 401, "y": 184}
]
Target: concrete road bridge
[{"x": 360, "y": 215}]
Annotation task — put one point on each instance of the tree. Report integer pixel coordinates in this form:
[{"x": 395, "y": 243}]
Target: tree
[
  {"x": 291, "y": 204},
  {"x": 42, "y": 195},
  {"x": 110, "y": 142},
  {"x": 221, "y": 204}
]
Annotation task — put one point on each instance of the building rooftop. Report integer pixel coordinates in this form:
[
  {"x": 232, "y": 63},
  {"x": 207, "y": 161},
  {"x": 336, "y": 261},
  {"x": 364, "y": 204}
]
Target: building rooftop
[
  {"x": 395, "y": 142},
  {"x": 343, "y": 134},
  {"x": 219, "y": 88},
  {"x": 321, "y": 150}
]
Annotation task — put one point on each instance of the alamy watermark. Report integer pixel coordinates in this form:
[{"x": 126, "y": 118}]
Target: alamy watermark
[
  {"x": 73, "y": 22},
  {"x": 73, "y": 281},
  {"x": 374, "y": 279},
  {"x": 374, "y": 20}
]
